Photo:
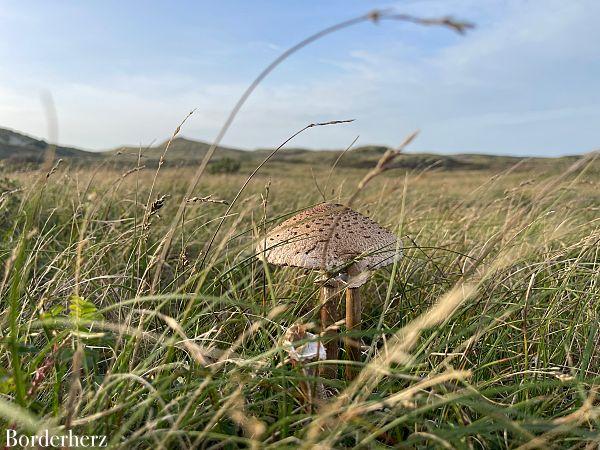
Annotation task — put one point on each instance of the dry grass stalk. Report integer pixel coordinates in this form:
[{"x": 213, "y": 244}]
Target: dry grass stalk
[
  {"x": 75, "y": 388},
  {"x": 157, "y": 204},
  {"x": 382, "y": 165},
  {"x": 135, "y": 169},
  {"x": 207, "y": 199},
  {"x": 4, "y": 195},
  {"x": 54, "y": 168}
]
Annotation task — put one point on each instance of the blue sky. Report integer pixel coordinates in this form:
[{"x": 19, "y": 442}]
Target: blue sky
[{"x": 525, "y": 82}]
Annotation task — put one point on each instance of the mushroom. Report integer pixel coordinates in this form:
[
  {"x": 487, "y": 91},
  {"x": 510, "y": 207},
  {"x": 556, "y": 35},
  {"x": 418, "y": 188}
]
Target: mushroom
[
  {"x": 333, "y": 239},
  {"x": 299, "y": 355}
]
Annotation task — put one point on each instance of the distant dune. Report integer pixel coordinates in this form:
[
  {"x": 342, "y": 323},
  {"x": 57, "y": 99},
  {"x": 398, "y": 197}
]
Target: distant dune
[
  {"x": 20, "y": 148},
  {"x": 17, "y": 148}
]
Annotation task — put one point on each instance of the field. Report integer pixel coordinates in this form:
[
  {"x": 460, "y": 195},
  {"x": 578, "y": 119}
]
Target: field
[{"x": 119, "y": 320}]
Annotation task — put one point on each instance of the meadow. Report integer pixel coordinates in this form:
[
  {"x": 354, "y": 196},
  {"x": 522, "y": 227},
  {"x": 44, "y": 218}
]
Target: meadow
[{"x": 118, "y": 321}]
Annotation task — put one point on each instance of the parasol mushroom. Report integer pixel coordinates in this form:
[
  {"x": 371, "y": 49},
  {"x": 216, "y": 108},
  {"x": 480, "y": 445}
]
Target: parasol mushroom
[{"x": 333, "y": 239}]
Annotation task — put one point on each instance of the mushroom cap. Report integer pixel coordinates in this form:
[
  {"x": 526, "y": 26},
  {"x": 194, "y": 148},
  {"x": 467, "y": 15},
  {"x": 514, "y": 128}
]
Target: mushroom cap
[{"x": 330, "y": 237}]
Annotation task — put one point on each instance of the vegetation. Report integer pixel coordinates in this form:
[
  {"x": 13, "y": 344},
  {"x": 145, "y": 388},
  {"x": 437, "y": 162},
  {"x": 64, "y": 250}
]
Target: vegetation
[
  {"x": 484, "y": 335},
  {"x": 20, "y": 152},
  {"x": 132, "y": 304},
  {"x": 224, "y": 165}
]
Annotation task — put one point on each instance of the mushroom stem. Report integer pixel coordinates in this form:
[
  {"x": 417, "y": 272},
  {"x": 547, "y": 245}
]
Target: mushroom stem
[
  {"x": 330, "y": 313},
  {"x": 353, "y": 313}
]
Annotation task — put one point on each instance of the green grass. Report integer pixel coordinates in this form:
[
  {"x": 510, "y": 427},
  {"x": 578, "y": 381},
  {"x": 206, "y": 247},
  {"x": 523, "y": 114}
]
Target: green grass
[{"x": 484, "y": 336}]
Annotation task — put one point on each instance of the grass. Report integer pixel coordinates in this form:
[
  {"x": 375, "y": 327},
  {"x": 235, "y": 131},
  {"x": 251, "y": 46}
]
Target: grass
[
  {"x": 485, "y": 335},
  {"x": 130, "y": 312}
]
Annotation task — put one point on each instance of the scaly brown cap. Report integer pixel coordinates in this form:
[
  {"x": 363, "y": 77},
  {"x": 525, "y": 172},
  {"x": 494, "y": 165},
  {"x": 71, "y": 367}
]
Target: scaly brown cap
[{"x": 329, "y": 237}]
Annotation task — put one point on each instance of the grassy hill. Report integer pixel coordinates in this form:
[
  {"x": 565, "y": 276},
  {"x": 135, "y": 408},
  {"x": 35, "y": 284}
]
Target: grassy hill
[
  {"x": 180, "y": 150},
  {"x": 18, "y": 148}
]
